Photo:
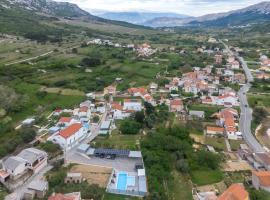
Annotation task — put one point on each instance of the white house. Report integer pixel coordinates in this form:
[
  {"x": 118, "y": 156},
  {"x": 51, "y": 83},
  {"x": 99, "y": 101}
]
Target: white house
[
  {"x": 118, "y": 112},
  {"x": 235, "y": 65},
  {"x": 132, "y": 104},
  {"x": 65, "y": 121},
  {"x": 69, "y": 136},
  {"x": 14, "y": 166},
  {"x": 228, "y": 72},
  {"x": 84, "y": 112},
  {"x": 28, "y": 159},
  {"x": 35, "y": 158},
  {"x": 227, "y": 100}
]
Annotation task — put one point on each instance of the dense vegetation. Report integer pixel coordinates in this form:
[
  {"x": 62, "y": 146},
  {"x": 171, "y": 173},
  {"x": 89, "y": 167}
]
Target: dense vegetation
[{"x": 169, "y": 149}]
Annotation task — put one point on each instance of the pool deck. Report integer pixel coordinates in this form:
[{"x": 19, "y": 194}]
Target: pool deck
[
  {"x": 130, "y": 190},
  {"x": 120, "y": 164}
]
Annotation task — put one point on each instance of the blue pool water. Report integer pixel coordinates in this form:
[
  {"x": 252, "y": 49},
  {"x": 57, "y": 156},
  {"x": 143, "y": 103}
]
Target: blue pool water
[{"x": 122, "y": 181}]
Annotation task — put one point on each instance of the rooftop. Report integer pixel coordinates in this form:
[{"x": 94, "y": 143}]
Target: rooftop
[
  {"x": 234, "y": 192},
  {"x": 65, "y": 119},
  {"x": 71, "y": 130},
  {"x": 39, "y": 185},
  {"x": 264, "y": 177}
]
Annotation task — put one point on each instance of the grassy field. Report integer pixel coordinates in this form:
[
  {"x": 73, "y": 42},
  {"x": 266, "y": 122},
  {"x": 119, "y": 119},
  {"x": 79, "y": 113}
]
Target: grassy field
[
  {"x": 259, "y": 100},
  {"x": 235, "y": 144},
  {"x": 179, "y": 187},
  {"x": 217, "y": 143},
  {"x": 108, "y": 196},
  {"x": 117, "y": 141},
  {"x": 208, "y": 109},
  {"x": 203, "y": 177}
]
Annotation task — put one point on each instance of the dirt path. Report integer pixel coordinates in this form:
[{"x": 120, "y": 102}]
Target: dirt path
[{"x": 29, "y": 59}]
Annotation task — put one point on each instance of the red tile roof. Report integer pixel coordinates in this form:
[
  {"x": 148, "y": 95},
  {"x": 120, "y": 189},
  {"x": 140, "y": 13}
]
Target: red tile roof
[
  {"x": 264, "y": 177},
  {"x": 137, "y": 90},
  {"x": 234, "y": 192},
  {"x": 60, "y": 196},
  {"x": 176, "y": 102},
  {"x": 215, "y": 128},
  {"x": 71, "y": 130},
  {"x": 117, "y": 106},
  {"x": 65, "y": 119}
]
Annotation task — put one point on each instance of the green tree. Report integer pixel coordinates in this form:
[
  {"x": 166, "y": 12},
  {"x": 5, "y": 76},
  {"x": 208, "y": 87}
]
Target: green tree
[
  {"x": 129, "y": 127},
  {"x": 139, "y": 117},
  {"x": 27, "y": 134}
]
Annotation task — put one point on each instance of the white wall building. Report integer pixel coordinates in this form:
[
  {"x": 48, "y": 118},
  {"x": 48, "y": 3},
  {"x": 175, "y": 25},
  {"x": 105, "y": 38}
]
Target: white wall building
[
  {"x": 132, "y": 105},
  {"x": 70, "y": 136}
]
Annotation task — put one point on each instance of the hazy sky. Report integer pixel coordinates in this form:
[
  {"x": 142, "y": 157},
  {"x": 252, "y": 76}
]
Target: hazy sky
[{"x": 190, "y": 7}]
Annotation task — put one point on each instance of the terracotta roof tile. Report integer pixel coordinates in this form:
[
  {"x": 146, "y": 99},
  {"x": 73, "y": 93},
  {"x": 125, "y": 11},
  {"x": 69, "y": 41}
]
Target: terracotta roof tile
[
  {"x": 234, "y": 192},
  {"x": 65, "y": 119},
  {"x": 215, "y": 128},
  {"x": 71, "y": 130},
  {"x": 176, "y": 102},
  {"x": 264, "y": 177}
]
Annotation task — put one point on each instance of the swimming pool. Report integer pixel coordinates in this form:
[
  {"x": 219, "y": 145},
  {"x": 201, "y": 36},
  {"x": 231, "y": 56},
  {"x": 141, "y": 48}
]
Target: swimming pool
[{"x": 124, "y": 180}]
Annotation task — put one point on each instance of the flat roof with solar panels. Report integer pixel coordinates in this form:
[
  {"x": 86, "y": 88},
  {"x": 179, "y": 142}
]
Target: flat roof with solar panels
[{"x": 115, "y": 152}]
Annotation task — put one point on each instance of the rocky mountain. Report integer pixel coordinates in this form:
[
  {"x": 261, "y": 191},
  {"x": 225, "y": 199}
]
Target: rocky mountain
[
  {"x": 58, "y": 9},
  {"x": 141, "y": 18},
  {"x": 253, "y": 14}
]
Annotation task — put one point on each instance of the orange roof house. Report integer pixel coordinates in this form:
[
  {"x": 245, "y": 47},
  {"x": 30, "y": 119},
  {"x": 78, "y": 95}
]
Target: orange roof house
[
  {"x": 214, "y": 130},
  {"x": 70, "y": 196},
  {"x": 176, "y": 105},
  {"x": 70, "y": 130},
  {"x": 116, "y": 106},
  {"x": 63, "y": 120},
  {"x": 234, "y": 192},
  {"x": 140, "y": 90},
  {"x": 261, "y": 180}
]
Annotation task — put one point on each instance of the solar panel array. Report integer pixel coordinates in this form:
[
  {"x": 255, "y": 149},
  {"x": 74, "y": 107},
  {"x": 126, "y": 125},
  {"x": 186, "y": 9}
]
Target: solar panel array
[{"x": 117, "y": 152}]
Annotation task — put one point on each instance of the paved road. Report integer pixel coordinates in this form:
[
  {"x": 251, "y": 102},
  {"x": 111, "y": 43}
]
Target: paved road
[{"x": 246, "y": 111}]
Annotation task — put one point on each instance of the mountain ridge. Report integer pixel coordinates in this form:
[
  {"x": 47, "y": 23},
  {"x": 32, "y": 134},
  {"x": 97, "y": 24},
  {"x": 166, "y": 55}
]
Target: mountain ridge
[
  {"x": 138, "y": 17},
  {"x": 258, "y": 11}
]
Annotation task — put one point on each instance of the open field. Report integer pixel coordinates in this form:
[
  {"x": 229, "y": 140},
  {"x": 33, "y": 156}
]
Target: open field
[
  {"x": 208, "y": 109},
  {"x": 61, "y": 91},
  {"x": 206, "y": 177},
  {"x": 180, "y": 187},
  {"x": 93, "y": 174},
  {"x": 217, "y": 143},
  {"x": 108, "y": 196},
  {"x": 259, "y": 100},
  {"x": 117, "y": 141}
]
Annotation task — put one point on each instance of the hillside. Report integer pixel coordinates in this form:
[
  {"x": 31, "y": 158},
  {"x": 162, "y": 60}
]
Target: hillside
[
  {"x": 44, "y": 20},
  {"x": 253, "y": 14}
]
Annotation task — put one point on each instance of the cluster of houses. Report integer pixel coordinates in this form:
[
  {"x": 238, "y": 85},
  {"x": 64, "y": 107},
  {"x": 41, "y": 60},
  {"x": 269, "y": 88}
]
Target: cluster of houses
[
  {"x": 227, "y": 121},
  {"x": 143, "y": 50},
  {"x": 263, "y": 72},
  {"x": 69, "y": 131},
  {"x": 17, "y": 169}
]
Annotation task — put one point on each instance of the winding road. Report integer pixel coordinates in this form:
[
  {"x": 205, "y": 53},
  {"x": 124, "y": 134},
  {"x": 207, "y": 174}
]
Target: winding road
[{"x": 246, "y": 111}]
